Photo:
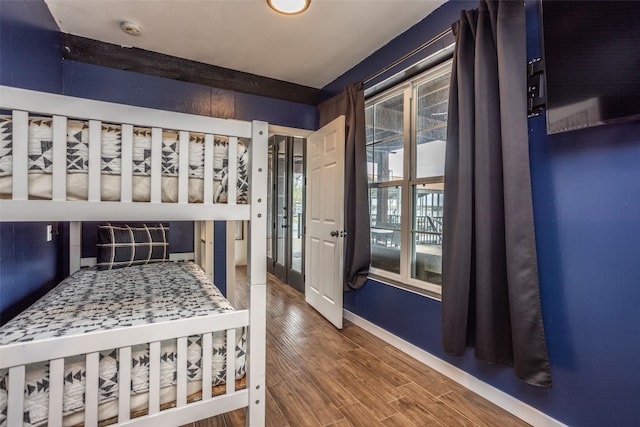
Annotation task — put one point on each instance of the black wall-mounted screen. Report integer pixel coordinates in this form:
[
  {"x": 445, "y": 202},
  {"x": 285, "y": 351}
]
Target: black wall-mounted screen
[{"x": 592, "y": 62}]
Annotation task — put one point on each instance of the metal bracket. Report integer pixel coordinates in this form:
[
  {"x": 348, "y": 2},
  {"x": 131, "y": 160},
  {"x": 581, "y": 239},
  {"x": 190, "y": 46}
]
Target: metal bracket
[{"x": 536, "y": 97}]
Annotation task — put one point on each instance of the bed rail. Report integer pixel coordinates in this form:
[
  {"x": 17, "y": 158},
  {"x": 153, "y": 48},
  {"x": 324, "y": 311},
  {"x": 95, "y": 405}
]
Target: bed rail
[
  {"x": 15, "y": 357},
  {"x": 22, "y": 103}
]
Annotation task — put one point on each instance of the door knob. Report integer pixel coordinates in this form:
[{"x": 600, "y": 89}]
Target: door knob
[{"x": 334, "y": 233}]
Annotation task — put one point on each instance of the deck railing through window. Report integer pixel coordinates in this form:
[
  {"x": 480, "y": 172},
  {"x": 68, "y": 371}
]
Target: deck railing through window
[{"x": 428, "y": 231}]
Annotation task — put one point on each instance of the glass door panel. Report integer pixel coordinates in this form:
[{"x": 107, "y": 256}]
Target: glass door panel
[
  {"x": 296, "y": 214},
  {"x": 285, "y": 251},
  {"x": 270, "y": 226},
  {"x": 281, "y": 207},
  {"x": 270, "y": 217}
]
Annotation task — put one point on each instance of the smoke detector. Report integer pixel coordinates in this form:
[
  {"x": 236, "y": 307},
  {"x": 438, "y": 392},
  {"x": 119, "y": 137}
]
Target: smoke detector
[{"x": 131, "y": 28}]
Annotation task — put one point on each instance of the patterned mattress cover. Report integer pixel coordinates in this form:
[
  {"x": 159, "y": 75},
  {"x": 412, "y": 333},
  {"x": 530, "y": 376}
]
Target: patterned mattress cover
[
  {"x": 40, "y": 141},
  {"x": 92, "y": 300}
]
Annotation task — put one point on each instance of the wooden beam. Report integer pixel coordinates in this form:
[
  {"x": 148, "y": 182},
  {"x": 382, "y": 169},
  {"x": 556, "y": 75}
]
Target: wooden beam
[{"x": 95, "y": 52}]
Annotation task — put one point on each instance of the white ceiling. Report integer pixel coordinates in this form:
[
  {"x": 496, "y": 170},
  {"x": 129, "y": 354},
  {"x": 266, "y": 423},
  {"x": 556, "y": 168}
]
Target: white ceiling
[{"x": 311, "y": 49}]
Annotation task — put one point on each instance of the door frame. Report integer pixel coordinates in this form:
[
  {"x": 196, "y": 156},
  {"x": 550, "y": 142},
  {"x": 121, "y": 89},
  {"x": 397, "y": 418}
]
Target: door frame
[{"x": 293, "y": 278}]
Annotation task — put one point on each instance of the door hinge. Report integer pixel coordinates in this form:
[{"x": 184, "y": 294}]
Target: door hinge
[{"x": 536, "y": 97}]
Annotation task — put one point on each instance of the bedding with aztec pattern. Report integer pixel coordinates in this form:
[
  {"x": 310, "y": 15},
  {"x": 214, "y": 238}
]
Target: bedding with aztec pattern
[
  {"x": 92, "y": 300},
  {"x": 40, "y": 150}
]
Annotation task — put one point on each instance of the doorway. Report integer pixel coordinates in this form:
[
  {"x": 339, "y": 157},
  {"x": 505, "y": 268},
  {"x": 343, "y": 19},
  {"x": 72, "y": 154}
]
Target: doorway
[{"x": 285, "y": 220}]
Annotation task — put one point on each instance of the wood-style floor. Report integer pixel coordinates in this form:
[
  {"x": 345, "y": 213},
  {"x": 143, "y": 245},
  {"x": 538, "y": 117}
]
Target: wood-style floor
[{"x": 319, "y": 376}]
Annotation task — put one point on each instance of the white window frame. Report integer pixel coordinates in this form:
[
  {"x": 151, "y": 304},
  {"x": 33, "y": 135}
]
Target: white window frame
[{"x": 409, "y": 89}]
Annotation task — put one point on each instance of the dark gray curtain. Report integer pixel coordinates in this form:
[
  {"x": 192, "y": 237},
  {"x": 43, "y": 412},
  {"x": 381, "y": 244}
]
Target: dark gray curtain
[
  {"x": 357, "y": 247},
  {"x": 490, "y": 293}
]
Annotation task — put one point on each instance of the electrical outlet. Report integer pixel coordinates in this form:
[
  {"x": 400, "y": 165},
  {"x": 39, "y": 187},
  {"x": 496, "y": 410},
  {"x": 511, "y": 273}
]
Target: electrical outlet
[{"x": 49, "y": 233}]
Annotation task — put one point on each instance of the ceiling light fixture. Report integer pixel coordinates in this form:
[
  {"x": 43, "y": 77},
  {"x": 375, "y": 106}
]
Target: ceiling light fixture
[{"x": 289, "y": 7}]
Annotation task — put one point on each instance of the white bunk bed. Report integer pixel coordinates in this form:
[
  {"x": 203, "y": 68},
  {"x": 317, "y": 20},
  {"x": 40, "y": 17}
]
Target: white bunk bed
[{"x": 21, "y": 205}]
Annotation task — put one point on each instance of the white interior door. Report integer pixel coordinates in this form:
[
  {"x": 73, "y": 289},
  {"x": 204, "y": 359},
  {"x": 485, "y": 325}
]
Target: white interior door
[{"x": 325, "y": 220}]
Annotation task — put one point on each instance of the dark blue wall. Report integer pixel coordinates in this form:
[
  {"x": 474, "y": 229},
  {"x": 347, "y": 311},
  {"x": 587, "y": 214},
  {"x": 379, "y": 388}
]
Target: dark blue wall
[
  {"x": 127, "y": 87},
  {"x": 29, "y": 265},
  {"x": 586, "y": 194},
  {"x": 29, "y": 58},
  {"x": 30, "y": 55}
]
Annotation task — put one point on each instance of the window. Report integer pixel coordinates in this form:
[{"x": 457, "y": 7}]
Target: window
[{"x": 406, "y": 134}]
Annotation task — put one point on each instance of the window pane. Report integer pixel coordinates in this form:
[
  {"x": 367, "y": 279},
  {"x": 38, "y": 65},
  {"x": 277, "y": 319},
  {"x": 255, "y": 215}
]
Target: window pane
[
  {"x": 409, "y": 247},
  {"x": 385, "y": 140},
  {"x": 368, "y": 119},
  {"x": 385, "y": 207},
  {"x": 428, "y": 205},
  {"x": 431, "y": 126}
]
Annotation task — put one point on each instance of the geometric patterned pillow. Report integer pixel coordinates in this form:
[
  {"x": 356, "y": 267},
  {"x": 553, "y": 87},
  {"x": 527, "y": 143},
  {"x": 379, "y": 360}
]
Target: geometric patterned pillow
[{"x": 123, "y": 245}]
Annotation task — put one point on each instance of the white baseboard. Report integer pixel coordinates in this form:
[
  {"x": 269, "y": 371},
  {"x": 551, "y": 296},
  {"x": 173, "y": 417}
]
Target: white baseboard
[{"x": 505, "y": 401}]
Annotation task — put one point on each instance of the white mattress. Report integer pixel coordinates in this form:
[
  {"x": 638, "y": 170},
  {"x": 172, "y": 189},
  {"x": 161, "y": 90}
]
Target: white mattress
[{"x": 40, "y": 149}]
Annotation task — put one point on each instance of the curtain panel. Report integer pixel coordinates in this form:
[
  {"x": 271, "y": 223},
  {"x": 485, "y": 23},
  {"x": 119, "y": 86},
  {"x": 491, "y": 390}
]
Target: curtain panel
[
  {"x": 357, "y": 246},
  {"x": 490, "y": 292}
]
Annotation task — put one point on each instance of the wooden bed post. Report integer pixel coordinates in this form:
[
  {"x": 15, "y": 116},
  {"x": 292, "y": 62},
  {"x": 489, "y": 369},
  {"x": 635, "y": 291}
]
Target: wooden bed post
[{"x": 257, "y": 276}]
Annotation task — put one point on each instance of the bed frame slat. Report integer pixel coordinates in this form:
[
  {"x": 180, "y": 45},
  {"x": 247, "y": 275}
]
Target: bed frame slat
[
  {"x": 208, "y": 168},
  {"x": 181, "y": 372},
  {"x": 91, "y": 391},
  {"x": 56, "y": 391},
  {"x": 16, "y": 396},
  {"x": 232, "y": 174},
  {"x": 154, "y": 377},
  {"x": 126, "y": 177},
  {"x": 231, "y": 361},
  {"x": 59, "y": 176},
  {"x": 95, "y": 141},
  {"x": 124, "y": 384},
  {"x": 156, "y": 165},
  {"x": 207, "y": 352},
  {"x": 183, "y": 168},
  {"x": 20, "y": 148}
]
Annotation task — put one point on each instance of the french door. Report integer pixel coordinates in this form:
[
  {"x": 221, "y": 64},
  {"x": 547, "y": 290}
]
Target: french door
[{"x": 285, "y": 236}]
